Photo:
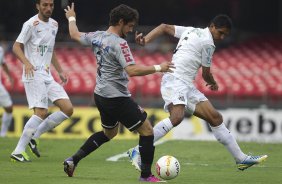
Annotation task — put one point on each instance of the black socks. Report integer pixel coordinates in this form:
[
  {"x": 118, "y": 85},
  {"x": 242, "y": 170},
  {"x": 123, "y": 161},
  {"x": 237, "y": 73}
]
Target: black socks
[
  {"x": 146, "y": 149},
  {"x": 90, "y": 145}
]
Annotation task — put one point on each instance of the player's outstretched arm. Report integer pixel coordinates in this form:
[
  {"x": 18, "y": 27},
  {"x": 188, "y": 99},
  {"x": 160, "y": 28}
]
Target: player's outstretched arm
[
  {"x": 140, "y": 70},
  {"x": 158, "y": 31},
  {"x": 73, "y": 29}
]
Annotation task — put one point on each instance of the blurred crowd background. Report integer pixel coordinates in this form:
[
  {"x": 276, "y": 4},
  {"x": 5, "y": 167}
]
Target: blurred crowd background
[{"x": 247, "y": 65}]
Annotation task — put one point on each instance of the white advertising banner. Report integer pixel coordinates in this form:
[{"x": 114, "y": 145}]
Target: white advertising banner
[{"x": 259, "y": 125}]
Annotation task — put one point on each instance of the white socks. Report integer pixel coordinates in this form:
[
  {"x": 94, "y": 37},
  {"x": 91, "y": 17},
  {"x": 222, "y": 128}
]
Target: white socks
[
  {"x": 28, "y": 132},
  {"x": 6, "y": 121},
  {"x": 223, "y": 135},
  {"x": 49, "y": 123},
  {"x": 162, "y": 128}
]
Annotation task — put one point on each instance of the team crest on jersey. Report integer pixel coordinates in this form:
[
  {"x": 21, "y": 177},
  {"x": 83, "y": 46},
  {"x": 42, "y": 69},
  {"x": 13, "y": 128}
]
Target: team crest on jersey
[
  {"x": 35, "y": 23},
  {"x": 181, "y": 98},
  {"x": 126, "y": 52},
  {"x": 44, "y": 100}
]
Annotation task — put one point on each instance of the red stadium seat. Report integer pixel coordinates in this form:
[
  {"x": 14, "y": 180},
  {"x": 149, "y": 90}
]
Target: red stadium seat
[{"x": 249, "y": 69}]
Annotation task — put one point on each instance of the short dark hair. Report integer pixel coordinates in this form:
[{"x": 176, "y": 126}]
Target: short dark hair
[
  {"x": 222, "y": 21},
  {"x": 124, "y": 12},
  {"x": 37, "y": 1}
]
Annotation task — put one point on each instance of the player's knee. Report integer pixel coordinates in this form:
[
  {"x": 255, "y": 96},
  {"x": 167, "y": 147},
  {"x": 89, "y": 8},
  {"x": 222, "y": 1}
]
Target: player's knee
[
  {"x": 68, "y": 111},
  {"x": 216, "y": 119},
  {"x": 146, "y": 129},
  {"x": 149, "y": 131},
  {"x": 41, "y": 114},
  {"x": 176, "y": 119},
  {"x": 110, "y": 134}
]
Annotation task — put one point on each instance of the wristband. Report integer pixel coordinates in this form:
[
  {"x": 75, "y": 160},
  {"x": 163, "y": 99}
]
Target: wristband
[
  {"x": 158, "y": 68},
  {"x": 72, "y": 18}
]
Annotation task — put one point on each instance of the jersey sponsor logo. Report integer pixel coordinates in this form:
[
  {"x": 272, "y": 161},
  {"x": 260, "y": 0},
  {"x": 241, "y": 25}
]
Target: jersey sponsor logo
[
  {"x": 101, "y": 45},
  {"x": 44, "y": 100},
  {"x": 42, "y": 49},
  {"x": 126, "y": 52}
]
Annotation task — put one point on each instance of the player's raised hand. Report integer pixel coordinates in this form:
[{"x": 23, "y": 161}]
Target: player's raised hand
[
  {"x": 139, "y": 39},
  {"x": 167, "y": 67},
  {"x": 70, "y": 11}
]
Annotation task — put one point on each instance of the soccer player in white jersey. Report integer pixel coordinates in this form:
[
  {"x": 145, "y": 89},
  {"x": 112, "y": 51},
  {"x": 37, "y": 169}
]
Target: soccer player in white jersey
[
  {"x": 194, "y": 51},
  {"x": 35, "y": 49},
  {"x": 5, "y": 99},
  {"x": 111, "y": 93}
]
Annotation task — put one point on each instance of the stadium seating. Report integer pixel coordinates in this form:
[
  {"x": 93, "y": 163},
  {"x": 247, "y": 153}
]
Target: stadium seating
[{"x": 251, "y": 69}]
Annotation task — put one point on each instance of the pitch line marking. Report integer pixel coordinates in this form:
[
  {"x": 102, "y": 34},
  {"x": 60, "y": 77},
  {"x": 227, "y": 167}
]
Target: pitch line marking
[{"x": 116, "y": 157}]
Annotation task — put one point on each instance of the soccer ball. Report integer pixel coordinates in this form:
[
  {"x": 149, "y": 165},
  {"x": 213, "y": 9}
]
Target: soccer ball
[{"x": 167, "y": 167}]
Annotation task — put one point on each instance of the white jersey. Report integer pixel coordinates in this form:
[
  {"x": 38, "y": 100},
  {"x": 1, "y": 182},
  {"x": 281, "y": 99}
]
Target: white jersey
[
  {"x": 194, "y": 49},
  {"x": 38, "y": 38}
]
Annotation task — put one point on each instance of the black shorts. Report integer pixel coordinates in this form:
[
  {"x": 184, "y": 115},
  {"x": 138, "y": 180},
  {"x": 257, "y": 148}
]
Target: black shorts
[{"x": 120, "y": 110}]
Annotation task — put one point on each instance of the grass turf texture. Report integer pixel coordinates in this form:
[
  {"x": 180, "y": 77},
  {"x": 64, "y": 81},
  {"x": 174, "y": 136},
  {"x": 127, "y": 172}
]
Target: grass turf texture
[{"x": 201, "y": 162}]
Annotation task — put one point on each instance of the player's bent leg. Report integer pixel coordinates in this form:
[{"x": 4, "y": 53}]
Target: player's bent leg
[
  {"x": 90, "y": 145},
  {"x": 146, "y": 149},
  {"x": 52, "y": 121},
  {"x": 164, "y": 126},
  {"x": 65, "y": 106},
  {"x": 28, "y": 131},
  {"x": 133, "y": 153},
  {"x": 206, "y": 111}
]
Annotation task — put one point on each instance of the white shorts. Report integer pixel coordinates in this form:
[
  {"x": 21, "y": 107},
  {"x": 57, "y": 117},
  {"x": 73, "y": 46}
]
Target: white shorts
[
  {"x": 5, "y": 98},
  {"x": 176, "y": 91},
  {"x": 38, "y": 92}
]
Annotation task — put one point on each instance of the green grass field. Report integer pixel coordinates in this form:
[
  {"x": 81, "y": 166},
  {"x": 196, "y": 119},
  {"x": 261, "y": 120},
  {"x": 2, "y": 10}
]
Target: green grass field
[{"x": 201, "y": 162}]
